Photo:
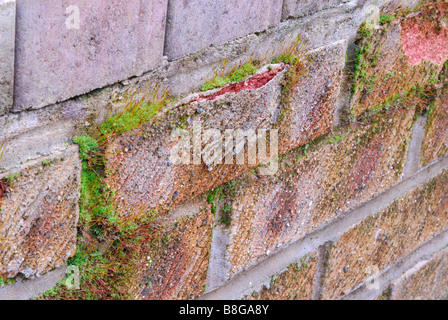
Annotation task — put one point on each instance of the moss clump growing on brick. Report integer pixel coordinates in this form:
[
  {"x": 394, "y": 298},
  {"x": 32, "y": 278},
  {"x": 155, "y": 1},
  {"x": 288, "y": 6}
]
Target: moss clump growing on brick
[
  {"x": 237, "y": 74},
  {"x": 138, "y": 111},
  {"x": 112, "y": 273},
  {"x": 296, "y": 57}
]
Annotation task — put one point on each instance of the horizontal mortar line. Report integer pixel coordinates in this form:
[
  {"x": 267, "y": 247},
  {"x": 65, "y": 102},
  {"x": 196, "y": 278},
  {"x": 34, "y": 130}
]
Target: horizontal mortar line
[
  {"x": 399, "y": 267},
  {"x": 242, "y": 283},
  {"x": 30, "y": 289}
]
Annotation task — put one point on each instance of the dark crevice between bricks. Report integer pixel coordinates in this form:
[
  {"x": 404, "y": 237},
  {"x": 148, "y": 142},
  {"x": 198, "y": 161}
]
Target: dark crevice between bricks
[{"x": 322, "y": 268}]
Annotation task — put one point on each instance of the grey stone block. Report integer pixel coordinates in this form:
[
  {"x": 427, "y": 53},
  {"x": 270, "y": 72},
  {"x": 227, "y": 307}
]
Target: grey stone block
[
  {"x": 116, "y": 40},
  {"x": 301, "y": 8},
  {"x": 196, "y": 24},
  {"x": 7, "y": 37}
]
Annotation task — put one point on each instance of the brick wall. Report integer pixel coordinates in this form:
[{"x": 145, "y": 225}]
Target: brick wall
[{"x": 354, "y": 207}]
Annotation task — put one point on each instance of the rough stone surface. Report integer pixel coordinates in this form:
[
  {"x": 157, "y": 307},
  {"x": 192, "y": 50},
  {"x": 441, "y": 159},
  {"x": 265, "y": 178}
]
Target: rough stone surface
[
  {"x": 139, "y": 162},
  {"x": 435, "y": 143},
  {"x": 313, "y": 103},
  {"x": 426, "y": 281},
  {"x": 38, "y": 217},
  {"x": 387, "y": 236},
  {"x": 386, "y": 68},
  {"x": 115, "y": 41},
  {"x": 314, "y": 187},
  {"x": 7, "y": 45},
  {"x": 177, "y": 267},
  {"x": 194, "y": 25},
  {"x": 296, "y": 283}
]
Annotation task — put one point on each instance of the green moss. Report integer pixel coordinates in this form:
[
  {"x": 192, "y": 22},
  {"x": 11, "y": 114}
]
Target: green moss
[
  {"x": 12, "y": 178},
  {"x": 87, "y": 145},
  {"x": 385, "y": 18},
  {"x": 239, "y": 74}
]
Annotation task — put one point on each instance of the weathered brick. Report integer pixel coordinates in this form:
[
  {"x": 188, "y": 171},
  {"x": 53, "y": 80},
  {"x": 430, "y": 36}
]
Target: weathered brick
[
  {"x": 426, "y": 281},
  {"x": 296, "y": 283},
  {"x": 314, "y": 186},
  {"x": 38, "y": 217},
  {"x": 115, "y": 41},
  {"x": 177, "y": 266},
  {"x": 194, "y": 25},
  {"x": 383, "y": 238},
  {"x": 311, "y": 110},
  {"x": 435, "y": 143},
  {"x": 391, "y": 65},
  {"x": 139, "y": 162},
  {"x": 7, "y": 45}
]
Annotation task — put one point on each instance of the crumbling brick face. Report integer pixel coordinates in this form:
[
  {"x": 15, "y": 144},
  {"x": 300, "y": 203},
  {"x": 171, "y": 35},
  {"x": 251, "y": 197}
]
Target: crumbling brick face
[
  {"x": 139, "y": 162},
  {"x": 177, "y": 266},
  {"x": 311, "y": 109},
  {"x": 426, "y": 281},
  {"x": 383, "y": 238},
  {"x": 296, "y": 283},
  {"x": 314, "y": 187},
  {"x": 390, "y": 65},
  {"x": 38, "y": 217}
]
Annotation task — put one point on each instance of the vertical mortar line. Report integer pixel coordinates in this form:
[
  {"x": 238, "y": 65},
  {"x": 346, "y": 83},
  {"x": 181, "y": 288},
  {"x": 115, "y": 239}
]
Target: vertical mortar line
[
  {"x": 415, "y": 147},
  {"x": 165, "y": 37},
  {"x": 322, "y": 268},
  {"x": 14, "y": 57},
  {"x": 219, "y": 266}
]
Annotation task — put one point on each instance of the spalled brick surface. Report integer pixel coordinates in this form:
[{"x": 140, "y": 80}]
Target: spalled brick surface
[
  {"x": 435, "y": 143},
  {"x": 300, "y": 8},
  {"x": 140, "y": 165},
  {"x": 139, "y": 162},
  {"x": 427, "y": 281},
  {"x": 38, "y": 217},
  {"x": 385, "y": 237},
  {"x": 311, "y": 110},
  {"x": 194, "y": 25},
  {"x": 7, "y": 44},
  {"x": 386, "y": 68},
  {"x": 177, "y": 267},
  {"x": 296, "y": 283},
  {"x": 314, "y": 187},
  {"x": 115, "y": 40}
]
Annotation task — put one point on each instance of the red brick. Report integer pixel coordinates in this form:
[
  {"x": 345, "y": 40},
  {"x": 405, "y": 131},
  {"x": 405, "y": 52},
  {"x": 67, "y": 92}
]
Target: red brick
[
  {"x": 177, "y": 265},
  {"x": 310, "y": 191},
  {"x": 391, "y": 65},
  {"x": 138, "y": 162},
  {"x": 435, "y": 143},
  {"x": 38, "y": 217}
]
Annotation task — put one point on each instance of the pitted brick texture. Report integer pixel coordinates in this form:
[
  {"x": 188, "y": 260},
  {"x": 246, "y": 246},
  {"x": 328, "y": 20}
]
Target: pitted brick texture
[
  {"x": 177, "y": 266},
  {"x": 387, "y": 236},
  {"x": 38, "y": 218},
  {"x": 139, "y": 162},
  {"x": 435, "y": 143},
  {"x": 312, "y": 190},
  {"x": 388, "y": 71}
]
